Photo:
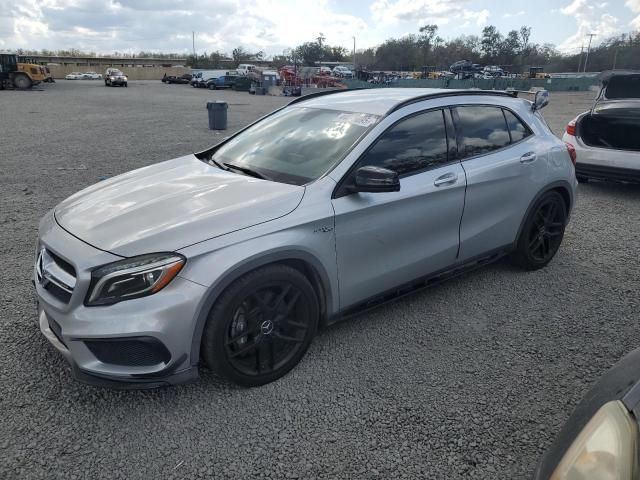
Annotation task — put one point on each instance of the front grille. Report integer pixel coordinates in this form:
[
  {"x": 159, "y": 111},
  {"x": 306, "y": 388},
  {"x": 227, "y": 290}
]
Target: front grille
[
  {"x": 55, "y": 275},
  {"x": 131, "y": 352}
]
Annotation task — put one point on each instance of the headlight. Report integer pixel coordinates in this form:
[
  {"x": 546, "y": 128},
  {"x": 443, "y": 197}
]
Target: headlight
[
  {"x": 133, "y": 278},
  {"x": 605, "y": 449},
  {"x": 112, "y": 78}
]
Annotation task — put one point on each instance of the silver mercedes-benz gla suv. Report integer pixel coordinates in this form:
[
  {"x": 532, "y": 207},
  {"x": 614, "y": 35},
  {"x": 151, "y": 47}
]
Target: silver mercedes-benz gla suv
[{"x": 236, "y": 255}]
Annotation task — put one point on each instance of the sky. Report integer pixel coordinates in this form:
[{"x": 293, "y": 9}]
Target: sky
[{"x": 130, "y": 26}]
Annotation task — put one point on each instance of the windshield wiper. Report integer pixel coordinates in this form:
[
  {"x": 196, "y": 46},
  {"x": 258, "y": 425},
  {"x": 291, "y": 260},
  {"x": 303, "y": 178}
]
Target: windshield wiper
[
  {"x": 247, "y": 171},
  {"x": 218, "y": 164}
]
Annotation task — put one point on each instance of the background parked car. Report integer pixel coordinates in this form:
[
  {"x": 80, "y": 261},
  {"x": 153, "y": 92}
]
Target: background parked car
[
  {"x": 114, "y": 77},
  {"x": 74, "y": 76},
  {"x": 342, "y": 71},
  {"x": 245, "y": 68},
  {"x": 607, "y": 137},
  {"x": 91, "y": 76},
  {"x": 223, "y": 81},
  {"x": 182, "y": 79}
]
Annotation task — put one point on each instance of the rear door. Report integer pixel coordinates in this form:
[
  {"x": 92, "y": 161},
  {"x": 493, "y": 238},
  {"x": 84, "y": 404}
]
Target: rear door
[
  {"x": 505, "y": 168},
  {"x": 384, "y": 240}
]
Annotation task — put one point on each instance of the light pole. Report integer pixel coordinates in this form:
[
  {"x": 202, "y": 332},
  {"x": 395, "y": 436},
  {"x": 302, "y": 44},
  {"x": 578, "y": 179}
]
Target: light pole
[
  {"x": 354, "y": 54},
  {"x": 591, "y": 35}
]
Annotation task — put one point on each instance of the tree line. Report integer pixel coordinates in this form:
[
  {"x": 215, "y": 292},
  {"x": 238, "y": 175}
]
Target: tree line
[
  {"x": 513, "y": 51},
  {"x": 426, "y": 48}
]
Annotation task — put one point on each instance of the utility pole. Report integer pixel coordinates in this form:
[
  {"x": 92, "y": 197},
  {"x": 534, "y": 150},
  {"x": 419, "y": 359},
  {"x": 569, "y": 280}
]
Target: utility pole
[
  {"x": 590, "y": 35},
  {"x": 580, "y": 58},
  {"x": 615, "y": 58},
  {"x": 193, "y": 36},
  {"x": 354, "y": 55}
]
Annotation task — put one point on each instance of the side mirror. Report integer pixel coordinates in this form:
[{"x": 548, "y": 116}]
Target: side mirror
[{"x": 376, "y": 179}]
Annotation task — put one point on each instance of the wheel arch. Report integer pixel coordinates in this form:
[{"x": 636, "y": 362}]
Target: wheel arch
[
  {"x": 302, "y": 261},
  {"x": 563, "y": 188}
]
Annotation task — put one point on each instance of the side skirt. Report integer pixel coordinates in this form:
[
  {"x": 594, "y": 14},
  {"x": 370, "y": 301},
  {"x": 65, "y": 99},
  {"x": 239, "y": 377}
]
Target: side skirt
[{"x": 421, "y": 283}]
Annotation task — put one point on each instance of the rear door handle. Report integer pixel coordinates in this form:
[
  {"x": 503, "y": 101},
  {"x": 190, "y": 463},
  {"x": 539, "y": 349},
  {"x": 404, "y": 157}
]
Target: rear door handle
[
  {"x": 528, "y": 157},
  {"x": 446, "y": 179}
]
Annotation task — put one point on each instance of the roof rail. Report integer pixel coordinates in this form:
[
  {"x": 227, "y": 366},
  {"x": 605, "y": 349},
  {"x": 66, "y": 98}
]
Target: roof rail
[
  {"x": 453, "y": 93},
  {"x": 302, "y": 98}
]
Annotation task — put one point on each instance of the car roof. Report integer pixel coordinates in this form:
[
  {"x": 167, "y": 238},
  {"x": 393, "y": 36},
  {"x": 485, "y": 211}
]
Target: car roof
[{"x": 380, "y": 101}]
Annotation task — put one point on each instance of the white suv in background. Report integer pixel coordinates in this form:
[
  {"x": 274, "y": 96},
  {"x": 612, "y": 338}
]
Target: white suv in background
[{"x": 342, "y": 71}]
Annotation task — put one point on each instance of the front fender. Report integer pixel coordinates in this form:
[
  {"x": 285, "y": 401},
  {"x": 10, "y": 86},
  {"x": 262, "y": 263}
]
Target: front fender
[{"x": 249, "y": 264}]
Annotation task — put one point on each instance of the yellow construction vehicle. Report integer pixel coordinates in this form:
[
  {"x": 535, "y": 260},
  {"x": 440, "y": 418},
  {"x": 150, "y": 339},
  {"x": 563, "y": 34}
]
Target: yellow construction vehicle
[
  {"x": 537, "y": 73},
  {"x": 22, "y": 76}
]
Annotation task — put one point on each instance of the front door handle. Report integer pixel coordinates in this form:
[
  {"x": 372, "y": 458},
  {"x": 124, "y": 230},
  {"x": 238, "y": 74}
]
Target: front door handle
[
  {"x": 528, "y": 157},
  {"x": 446, "y": 179}
]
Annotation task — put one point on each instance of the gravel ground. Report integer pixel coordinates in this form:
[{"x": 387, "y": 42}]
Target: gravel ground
[{"x": 470, "y": 379}]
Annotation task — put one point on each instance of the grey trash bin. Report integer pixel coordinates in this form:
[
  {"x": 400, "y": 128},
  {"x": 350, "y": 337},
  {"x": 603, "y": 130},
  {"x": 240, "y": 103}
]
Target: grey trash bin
[{"x": 217, "y": 115}]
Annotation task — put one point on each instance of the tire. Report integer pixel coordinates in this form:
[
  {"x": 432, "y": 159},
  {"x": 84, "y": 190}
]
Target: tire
[
  {"x": 22, "y": 82},
  {"x": 542, "y": 232},
  {"x": 212, "y": 87},
  {"x": 582, "y": 179},
  {"x": 126, "y": 85},
  {"x": 276, "y": 309}
]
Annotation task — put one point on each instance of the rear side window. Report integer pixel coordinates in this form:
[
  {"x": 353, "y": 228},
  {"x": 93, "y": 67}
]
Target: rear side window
[
  {"x": 482, "y": 129},
  {"x": 517, "y": 129},
  {"x": 414, "y": 144}
]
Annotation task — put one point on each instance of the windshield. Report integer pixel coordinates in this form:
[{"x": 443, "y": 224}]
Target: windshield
[{"x": 296, "y": 145}]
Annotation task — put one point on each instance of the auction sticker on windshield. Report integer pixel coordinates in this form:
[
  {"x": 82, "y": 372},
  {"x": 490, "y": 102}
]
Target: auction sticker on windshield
[{"x": 360, "y": 119}]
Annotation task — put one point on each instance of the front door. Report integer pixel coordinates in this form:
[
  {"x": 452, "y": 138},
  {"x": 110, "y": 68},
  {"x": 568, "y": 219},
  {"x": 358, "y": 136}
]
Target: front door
[{"x": 384, "y": 240}]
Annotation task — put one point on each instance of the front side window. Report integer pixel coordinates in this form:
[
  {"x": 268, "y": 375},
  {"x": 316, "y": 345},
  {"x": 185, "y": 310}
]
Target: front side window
[
  {"x": 482, "y": 129},
  {"x": 296, "y": 145},
  {"x": 415, "y": 144}
]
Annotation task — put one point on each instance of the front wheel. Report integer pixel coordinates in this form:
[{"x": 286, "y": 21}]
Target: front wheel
[
  {"x": 22, "y": 82},
  {"x": 542, "y": 232},
  {"x": 261, "y": 326}
]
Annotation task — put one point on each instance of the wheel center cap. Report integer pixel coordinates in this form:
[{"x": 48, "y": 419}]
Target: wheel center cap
[{"x": 266, "y": 327}]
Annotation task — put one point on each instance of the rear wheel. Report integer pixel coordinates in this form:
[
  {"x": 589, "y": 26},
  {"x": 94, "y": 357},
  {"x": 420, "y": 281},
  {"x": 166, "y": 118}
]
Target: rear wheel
[
  {"x": 542, "y": 232},
  {"x": 261, "y": 326},
  {"x": 22, "y": 82}
]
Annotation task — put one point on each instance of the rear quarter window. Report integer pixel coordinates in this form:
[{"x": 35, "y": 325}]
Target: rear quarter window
[
  {"x": 517, "y": 128},
  {"x": 482, "y": 129}
]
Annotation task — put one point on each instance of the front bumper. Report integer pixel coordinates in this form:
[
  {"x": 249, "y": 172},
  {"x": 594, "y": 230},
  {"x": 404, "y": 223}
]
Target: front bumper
[
  {"x": 161, "y": 378},
  {"x": 139, "y": 343}
]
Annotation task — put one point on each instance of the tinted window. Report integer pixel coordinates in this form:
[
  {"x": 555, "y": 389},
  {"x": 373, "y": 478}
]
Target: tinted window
[
  {"x": 482, "y": 129},
  {"x": 516, "y": 127},
  {"x": 416, "y": 143}
]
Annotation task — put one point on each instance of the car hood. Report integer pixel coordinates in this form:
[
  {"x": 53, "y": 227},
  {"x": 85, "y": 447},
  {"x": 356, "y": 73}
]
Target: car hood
[{"x": 170, "y": 205}]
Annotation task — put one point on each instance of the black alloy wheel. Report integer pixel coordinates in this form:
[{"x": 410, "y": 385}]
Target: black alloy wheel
[
  {"x": 261, "y": 326},
  {"x": 545, "y": 234},
  {"x": 542, "y": 233}
]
